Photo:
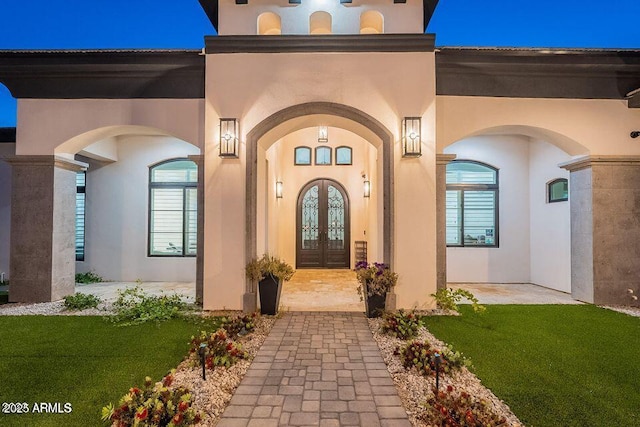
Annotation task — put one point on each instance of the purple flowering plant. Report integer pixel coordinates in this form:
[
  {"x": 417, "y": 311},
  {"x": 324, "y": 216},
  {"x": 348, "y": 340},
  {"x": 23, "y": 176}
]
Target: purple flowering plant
[{"x": 376, "y": 278}]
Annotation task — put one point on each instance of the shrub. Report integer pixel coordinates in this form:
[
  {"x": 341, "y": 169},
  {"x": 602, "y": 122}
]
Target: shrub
[
  {"x": 401, "y": 324},
  {"x": 220, "y": 350},
  {"x": 420, "y": 355},
  {"x": 133, "y": 306},
  {"x": 448, "y": 408},
  {"x": 81, "y": 301},
  {"x": 448, "y": 299},
  {"x": 153, "y": 405},
  {"x": 239, "y": 326},
  {"x": 88, "y": 277}
]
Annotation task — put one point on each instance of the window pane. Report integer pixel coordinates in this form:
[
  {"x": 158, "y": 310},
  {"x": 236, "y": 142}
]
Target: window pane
[
  {"x": 559, "y": 190},
  {"x": 479, "y": 214},
  {"x": 323, "y": 156},
  {"x": 167, "y": 220},
  {"x": 470, "y": 173},
  {"x": 343, "y": 156},
  {"x": 80, "y": 215},
  {"x": 191, "y": 223},
  {"x": 302, "y": 156},
  {"x": 454, "y": 217},
  {"x": 175, "y": 171}
]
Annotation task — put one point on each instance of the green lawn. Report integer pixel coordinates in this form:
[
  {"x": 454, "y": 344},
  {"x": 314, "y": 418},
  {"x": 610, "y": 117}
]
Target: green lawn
[
  {"x": 553, "y": 365},
  {"x": 84, "y": 361}
]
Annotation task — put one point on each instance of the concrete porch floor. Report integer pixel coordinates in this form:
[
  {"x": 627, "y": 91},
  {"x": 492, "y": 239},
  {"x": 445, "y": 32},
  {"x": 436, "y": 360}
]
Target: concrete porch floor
[{"x": 335, "y": 290}]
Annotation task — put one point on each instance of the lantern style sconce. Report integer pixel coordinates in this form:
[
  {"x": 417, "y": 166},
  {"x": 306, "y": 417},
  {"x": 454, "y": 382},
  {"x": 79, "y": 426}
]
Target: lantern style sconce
[
  {"x": 367, "y": 189},
  {"x": 229, "y": 138},
  {"x": 323, "y": 134},
  {"x": 278, "y": 189},
  {"x": 411, "y": 137}
]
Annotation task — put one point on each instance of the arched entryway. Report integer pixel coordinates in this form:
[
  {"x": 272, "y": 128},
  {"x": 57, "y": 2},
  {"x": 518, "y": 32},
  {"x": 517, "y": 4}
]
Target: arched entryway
[{"x": 322, "y": 226}]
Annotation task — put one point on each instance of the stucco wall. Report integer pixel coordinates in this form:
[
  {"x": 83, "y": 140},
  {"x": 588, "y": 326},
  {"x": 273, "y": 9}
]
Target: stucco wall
[
  {"x": 577, "y": 126},
  {"x": 117, "y": 213},
  {"x": 550, "y": 222},
  {"x": 282, "y": 215},
  {"x": 5, "y": 207},
  {"x": 242, "y": 19},
  {"x": 509, "y": 263},
  {"x": 44, "y": 125},
  {"x": 253, "y": 87}
]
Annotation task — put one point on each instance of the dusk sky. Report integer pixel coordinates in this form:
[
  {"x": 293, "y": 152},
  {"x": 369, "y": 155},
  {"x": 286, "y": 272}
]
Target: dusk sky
[{"x": 76, "y": 24}]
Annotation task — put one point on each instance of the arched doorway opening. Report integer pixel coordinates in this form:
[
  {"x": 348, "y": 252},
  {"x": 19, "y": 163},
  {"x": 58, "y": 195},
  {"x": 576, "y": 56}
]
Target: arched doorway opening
[
  {"x": 323, "y": 226},
  {"x": 270, "y": 156}
]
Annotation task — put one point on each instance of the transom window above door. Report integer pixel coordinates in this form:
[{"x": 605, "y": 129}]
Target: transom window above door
[{"x": 324, "y": 156}]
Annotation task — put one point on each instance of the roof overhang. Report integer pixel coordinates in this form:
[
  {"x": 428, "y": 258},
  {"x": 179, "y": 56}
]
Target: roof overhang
[
  {"x": 111, "y": 74},
  {"x": 537, "y": 73}
]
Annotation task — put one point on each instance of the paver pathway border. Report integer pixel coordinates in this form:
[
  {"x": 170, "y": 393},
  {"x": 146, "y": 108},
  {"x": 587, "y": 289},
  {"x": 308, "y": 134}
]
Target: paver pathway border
[{"x": 317, "y": 369}]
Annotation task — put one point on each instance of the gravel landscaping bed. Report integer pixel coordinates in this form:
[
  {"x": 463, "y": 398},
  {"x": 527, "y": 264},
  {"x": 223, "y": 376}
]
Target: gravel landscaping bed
[
  {"x": 213, "y": 395},
  {"x": 415, "y": 389},
  {"x": 55, "y": 308},
  {"x": 631, "y": 311}
]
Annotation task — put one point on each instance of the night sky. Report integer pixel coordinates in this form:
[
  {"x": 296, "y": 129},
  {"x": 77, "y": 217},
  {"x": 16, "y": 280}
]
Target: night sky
[{"x": 75, "y": 24}]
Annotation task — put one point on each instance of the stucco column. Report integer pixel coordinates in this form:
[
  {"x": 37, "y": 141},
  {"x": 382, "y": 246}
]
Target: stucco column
[
  {"x": 441, "y": 217},
  {"x": 43, "y": 205},
  {"x": 605, "y": 228},
  {"x": 199, "y": 160}
]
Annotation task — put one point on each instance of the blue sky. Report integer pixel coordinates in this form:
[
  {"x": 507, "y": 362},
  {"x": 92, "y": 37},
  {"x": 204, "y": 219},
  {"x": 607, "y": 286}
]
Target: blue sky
[{"x": 82, "y": 24}]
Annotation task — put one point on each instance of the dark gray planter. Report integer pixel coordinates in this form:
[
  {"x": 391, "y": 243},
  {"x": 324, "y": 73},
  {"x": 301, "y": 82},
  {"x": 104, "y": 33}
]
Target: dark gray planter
[{"x": 269, "y": 288}]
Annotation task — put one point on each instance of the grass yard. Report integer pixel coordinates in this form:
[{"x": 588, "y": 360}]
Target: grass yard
[
  {"x": 85, "y": 361},
  {"x": 554, "y": 365}
]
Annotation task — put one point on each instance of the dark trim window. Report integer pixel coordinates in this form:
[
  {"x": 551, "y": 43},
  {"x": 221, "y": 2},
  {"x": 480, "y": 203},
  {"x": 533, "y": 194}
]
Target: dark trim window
[
  {"x": 472, "y": 204},
  {"x": 81, "y": 192},
  {"x": 302, "y": 156},
  {"x": 343, "y": 155},
  {"x": 558, "y": 190},
  {"x": 173, "y": 208},
  {"x": 323, "y": 156}
]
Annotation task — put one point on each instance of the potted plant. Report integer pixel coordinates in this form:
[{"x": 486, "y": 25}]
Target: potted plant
[
  {"x": 269, "y": 271},
  {"x": 376, "y": 280}
]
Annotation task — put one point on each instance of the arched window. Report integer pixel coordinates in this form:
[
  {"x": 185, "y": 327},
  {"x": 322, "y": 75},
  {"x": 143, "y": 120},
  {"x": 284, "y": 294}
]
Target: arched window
[
  {"x": 173, "y": 208},
  {"x": 371, "y": 22},
  {"x": 558, "y": 190},
  {"x": 323, "y": 156},
  {"x": 269, "y": 24},
  {"x": 472, "y": 204},
  {"x": 343, "y": 155},
  {"x": 302, "y": 156},
  {"x": 320, "y": 23}
]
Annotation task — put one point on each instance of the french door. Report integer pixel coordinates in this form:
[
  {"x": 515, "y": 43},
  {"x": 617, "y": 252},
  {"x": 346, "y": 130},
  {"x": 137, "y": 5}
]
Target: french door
[{"x": 322, "y": 227}]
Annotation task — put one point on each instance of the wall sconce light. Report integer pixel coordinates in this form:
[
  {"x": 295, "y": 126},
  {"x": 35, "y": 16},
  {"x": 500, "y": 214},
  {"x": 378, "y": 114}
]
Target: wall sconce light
[
  {"x": 411, "y": 137},
  {"x": 229, "y": 138},
  {"x": 367, "y": 189},
  {"x": 323, "y": 134},
  {"x": 279, "y": 190}
]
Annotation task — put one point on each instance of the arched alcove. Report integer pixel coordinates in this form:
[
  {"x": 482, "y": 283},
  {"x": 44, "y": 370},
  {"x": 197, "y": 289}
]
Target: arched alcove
[
  {"x": 269, "y": 24},
  {"x": 320, "y": 23},
  {"x": 371, "y": 22}
]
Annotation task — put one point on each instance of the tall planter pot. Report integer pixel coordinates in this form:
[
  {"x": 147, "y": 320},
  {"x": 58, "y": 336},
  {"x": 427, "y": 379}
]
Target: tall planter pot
[
  {"x": 374, "y": 305},
  {"x": 269, "y": 288}
]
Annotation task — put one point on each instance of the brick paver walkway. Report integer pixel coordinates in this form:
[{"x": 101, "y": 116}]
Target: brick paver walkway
[{"x": 317, "y": 369}]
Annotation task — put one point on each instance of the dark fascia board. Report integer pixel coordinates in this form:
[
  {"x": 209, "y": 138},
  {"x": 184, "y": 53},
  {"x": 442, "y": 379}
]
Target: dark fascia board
[
  {"x": 634, "y": 100},
  {"x": 323, "y": 43},
  {"x": 110, "y": 74},
  {"x": 537, "y": 73},
  {"x": 7, "y": 135},
  {"x": 210, "y": 8}
]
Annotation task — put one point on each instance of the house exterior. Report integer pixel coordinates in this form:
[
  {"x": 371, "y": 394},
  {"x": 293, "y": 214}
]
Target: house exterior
[{"x": 308, "y": 131}]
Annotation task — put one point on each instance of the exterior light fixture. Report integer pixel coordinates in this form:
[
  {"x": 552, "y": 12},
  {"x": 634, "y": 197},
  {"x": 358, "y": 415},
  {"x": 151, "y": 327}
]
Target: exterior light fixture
[
  {"x": 367, "y": 189},
  {"x": 229, "y": 138},
  {"x": 411, "y": 137},
  {"x": 279, "y": 190},
  {"x": 323, "y": 134}
]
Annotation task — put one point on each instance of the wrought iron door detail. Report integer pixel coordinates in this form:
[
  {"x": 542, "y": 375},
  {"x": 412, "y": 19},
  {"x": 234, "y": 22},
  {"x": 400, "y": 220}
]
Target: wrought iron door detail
[
  {"x": 310, "y": 214},
  {"x": 323, "y": 226}
]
